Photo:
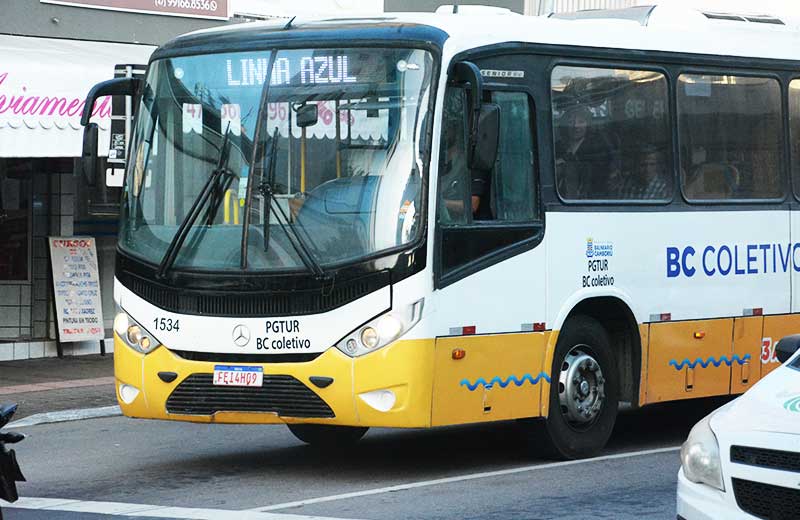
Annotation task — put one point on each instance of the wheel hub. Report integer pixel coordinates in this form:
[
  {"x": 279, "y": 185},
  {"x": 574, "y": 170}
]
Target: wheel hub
[{"x": 581, "y": 389}]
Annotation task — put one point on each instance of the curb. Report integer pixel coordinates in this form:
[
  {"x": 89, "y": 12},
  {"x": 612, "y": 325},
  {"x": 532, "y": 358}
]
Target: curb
[{"x": 66, "y": 415}]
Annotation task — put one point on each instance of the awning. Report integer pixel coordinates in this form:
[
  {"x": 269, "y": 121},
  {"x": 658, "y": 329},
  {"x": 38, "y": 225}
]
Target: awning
[{"x": 43, "y": 85}]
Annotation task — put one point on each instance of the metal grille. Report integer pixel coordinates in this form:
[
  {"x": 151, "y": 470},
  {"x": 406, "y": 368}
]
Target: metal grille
[
  {"x": 284, "y": 395},
  {"x": 765, "y": 500},
  {"x": 213, "y": 357},
  {"x": 766, "y": 458},
  {"x": 296, "y": 301}
]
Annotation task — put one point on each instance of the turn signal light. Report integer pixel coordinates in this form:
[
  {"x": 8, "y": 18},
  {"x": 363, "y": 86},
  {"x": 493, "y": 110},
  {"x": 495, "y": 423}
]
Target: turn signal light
[
  {"x": 699, "y": 335},
  {"x": 459, "y": 353}
]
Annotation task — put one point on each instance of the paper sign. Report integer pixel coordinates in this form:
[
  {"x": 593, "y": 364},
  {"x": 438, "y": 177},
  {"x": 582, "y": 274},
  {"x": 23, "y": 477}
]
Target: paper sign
[
  {"x": 231, "y": 119},
  {"x": 192, "y": 118},
  {"x": 76, "y": 282}
]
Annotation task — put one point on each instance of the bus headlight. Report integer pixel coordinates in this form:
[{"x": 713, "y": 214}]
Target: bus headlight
[
  {"x": 133, "y": 334},
  {"x": 700, "y": 456},
  {"x": 381, "y": 331}
]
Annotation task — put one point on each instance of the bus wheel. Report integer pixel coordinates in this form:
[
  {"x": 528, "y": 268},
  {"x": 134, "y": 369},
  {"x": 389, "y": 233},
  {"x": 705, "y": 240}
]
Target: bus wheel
[
  {"x": 327, "y": 435},
  {"x": 584, "y": 391}
]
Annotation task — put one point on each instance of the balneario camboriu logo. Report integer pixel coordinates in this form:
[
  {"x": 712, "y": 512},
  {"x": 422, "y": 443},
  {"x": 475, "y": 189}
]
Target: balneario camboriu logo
[{"x": 598, "y": 249}]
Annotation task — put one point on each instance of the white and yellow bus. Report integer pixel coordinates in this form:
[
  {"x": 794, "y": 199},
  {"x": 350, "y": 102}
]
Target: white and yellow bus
[{"x": 429, "y": 220}]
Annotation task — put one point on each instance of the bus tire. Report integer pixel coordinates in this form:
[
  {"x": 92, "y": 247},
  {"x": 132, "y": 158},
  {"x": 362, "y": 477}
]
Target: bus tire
[
  {"x": 584, "y": 391},
  {"x": 327, "y": 435}
]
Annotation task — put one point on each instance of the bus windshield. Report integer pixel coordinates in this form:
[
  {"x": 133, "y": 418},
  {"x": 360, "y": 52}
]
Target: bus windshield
[{"x": 252, "y": 152}]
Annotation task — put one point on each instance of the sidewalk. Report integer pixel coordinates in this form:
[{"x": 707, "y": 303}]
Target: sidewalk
[{"x": 52, "y": 384}]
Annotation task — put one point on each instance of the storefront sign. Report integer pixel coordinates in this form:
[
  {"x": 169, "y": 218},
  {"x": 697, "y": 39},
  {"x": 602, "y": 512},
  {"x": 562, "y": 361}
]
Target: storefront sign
[
  {"x": 216, "y": 9},
  {"x": 18, "y": 100},
  {"x": 76, "y": 283}
]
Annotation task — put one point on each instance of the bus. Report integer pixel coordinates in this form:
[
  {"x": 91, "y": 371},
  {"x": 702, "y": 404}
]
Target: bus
[{"x": 422, "y": 220}]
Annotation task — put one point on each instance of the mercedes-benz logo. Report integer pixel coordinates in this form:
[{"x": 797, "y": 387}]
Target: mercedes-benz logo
[{"x": 241, "y": 335}]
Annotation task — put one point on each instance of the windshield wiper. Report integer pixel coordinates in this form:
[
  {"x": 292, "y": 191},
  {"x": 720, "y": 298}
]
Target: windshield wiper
[
  {"x": 267, "y": 190},
  {"x": 295, "y": 239},
  {"x": 209, "y": 189}
]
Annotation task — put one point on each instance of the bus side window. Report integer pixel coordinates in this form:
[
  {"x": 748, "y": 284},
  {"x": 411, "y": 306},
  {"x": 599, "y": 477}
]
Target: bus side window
[
  {"x": 482, "y": 212},
  {"x": 611, "y": 134},
  {"x": 731, "y": 138}
]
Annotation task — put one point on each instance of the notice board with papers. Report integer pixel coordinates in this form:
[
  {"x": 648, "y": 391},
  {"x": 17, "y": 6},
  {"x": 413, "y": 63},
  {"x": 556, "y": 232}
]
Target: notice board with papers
[{"x": 76, "y": 286}]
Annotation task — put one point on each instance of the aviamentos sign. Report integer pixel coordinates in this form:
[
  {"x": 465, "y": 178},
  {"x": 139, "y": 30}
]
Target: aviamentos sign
[{"x": 216, "y": 9}]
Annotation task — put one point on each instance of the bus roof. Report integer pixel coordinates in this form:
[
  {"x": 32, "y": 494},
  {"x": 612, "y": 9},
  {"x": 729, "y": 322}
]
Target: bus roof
[{"x": 660, "y": 28}]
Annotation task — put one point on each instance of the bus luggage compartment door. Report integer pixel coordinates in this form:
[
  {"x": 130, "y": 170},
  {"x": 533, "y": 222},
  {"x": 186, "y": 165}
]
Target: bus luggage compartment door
[
  {"x": 689, "y": 359},
  {"x": 487, "y": 378}
]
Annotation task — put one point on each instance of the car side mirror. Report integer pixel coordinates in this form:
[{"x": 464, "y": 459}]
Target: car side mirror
[
  {"x": 306, "y": 115},
  {"x": 6, "y": 412},
  {"x": 786, "y": 347},
  {"x": 484, "y": 153}
]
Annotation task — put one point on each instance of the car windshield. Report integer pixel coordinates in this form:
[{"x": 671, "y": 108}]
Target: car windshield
[{"x": 347, "y": 128}]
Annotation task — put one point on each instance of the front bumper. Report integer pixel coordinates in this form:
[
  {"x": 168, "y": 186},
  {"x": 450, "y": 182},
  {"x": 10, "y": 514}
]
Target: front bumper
[
  {"x": 701, "y": 502},
  {"x": 405, "y": 368}
]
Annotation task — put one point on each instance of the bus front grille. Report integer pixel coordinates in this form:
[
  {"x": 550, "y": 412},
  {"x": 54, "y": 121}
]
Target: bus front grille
[{"x": 280, "y": 394}]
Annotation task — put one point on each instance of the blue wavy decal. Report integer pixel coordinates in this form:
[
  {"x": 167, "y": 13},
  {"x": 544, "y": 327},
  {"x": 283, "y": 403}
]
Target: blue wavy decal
[
  {"x": 710, "y": 361},
  {"x": 793, "y": 404},
  {"x": 504, "y": 383}
]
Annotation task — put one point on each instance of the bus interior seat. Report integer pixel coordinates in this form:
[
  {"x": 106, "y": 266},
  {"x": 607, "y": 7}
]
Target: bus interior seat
[{"x": 713, "y": 181}]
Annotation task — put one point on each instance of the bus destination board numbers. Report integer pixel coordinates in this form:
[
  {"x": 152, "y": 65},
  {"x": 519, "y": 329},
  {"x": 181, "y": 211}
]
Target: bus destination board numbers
[{"x": 76, "y": 284}]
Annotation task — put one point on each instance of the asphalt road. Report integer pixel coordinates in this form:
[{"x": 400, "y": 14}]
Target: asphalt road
[{"x": 210, "y": 469}]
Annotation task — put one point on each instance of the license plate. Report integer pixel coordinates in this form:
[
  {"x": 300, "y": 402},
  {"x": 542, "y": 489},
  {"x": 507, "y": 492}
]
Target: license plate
[{"x": 225, "y": 375}]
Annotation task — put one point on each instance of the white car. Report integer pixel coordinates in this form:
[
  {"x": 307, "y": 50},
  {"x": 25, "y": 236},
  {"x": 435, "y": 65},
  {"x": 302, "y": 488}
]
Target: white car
[{"x": 743, "y": 460}]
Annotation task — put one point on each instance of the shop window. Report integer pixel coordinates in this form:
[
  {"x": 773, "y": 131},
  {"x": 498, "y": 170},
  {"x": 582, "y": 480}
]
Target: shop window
[
  {"x": 730, "y": 137},
  {"x": 612, "y": 134},
  {"x": 15, "y": 219}
]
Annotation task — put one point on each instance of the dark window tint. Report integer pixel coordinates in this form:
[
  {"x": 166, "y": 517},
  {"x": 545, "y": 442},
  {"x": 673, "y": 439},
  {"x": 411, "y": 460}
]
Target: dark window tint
[
  {"x": 454, "y": 179},
  {"x": 481, "y": 212},
  {"x": 612, "y": 137},
  {"x": 512, "y": 185},
  {"x": 794, "y": 126},
  {"x": 15, "y": 215},
  {"x": 507, "y": 192},
  {"x": 730, "y": 137}
]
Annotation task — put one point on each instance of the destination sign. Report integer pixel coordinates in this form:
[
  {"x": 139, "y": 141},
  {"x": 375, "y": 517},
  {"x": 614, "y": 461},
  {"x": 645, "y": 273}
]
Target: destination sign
[
  {"x": 310, "y": 70},
  {"x": 292, "y": 68}
]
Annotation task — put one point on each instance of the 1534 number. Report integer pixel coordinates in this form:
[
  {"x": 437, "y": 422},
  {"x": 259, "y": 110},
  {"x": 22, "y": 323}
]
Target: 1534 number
[{"x": 167, "y": 324}]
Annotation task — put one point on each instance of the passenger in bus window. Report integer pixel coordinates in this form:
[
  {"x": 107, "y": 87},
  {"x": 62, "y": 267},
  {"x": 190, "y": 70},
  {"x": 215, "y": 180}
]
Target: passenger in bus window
[
  {"x": 454, "y": 175},
  {"x": 585, "y": 158},
  {"x": 650, "y": 180}
]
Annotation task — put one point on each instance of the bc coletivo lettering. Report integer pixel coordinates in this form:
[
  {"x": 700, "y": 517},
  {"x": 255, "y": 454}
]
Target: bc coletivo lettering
[
  {"x": 276, "y": 338},
  {"x": 732, "y": 259}
]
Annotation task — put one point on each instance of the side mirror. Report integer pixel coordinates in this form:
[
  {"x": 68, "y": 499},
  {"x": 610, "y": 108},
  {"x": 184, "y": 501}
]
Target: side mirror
[
  {"x": 90, "y": 161},
  {"x": 6, "y": 412},
  {"x": 306, "y": 115},
  {"x": 786, "y": 347},
  {"x": 484, "y": 153},
  {"x": 484, "y": 119}
]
